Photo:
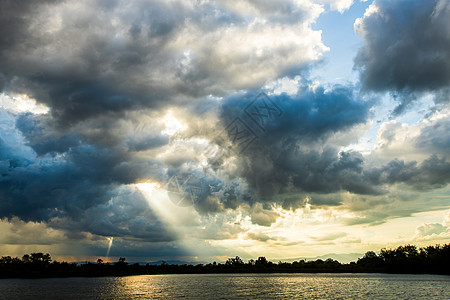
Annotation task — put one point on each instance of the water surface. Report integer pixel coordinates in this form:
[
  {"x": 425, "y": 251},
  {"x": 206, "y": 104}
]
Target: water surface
[{"x": 232, "y": 286}]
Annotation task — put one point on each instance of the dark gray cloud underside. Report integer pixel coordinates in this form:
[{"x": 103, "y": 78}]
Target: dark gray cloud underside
[{"x": 407, "y": 48}]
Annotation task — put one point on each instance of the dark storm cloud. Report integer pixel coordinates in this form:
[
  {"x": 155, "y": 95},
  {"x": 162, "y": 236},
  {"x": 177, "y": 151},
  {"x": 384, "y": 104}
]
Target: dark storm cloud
[
  {"x": 281, "y": 157},
  {"x": 148, "y": 142},
  {"x": 90, "y": 59},
  {"x": 289, "y": 158},
  {"x": 67, "y": 198},
  {"x": 2, "y": 82},
  {"x": 407, "y": 48},
  {"x": 13, "y": 21},
  {"x": 77, "y": 188},
  {"x": 34, "y": 192},
  {"x": 309, "y": 116},
  {"x": 72, "y": 101},
  {"x": 88, "y": 79},
  {"x": 102, "y": 164},
  {"x": 433, "y": 172},
  {"x": 82, "y": 69},
  {"x": 40, "y": 139},
  {"x": 96, "y": 63},
  {"x": 288, "y": 153}
]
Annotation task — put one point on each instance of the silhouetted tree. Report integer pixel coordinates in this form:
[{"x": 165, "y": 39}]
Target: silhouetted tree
[
  {"x": 41, "y": 258},
  {"x": 121, "y": 262},
  {"x": 261, "y": 261},
  {"x": 26, "y": 259},
  {"x": 237, "y": 261}
]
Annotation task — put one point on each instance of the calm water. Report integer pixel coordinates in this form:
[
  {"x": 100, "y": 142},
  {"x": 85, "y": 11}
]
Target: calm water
[{"x": 232, "y": 286}]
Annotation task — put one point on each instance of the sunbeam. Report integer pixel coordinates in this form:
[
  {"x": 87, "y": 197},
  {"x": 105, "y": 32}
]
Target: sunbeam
[
  {"x": 181, "y": 221},
  {"x": 109, "y": 245},
  {"x": 173, "y": 215}
]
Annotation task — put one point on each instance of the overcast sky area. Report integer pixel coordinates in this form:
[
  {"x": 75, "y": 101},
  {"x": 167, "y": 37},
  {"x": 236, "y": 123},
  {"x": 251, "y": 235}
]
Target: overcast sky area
[{"x": 198, "y": 130}]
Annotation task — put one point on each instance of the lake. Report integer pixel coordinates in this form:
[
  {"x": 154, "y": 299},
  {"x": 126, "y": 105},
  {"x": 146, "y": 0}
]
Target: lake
[{"x": 232, "y": 286}]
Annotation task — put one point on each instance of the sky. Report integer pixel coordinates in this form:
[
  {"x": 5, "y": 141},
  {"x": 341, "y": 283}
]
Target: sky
[{"x": 197, "y": 130}]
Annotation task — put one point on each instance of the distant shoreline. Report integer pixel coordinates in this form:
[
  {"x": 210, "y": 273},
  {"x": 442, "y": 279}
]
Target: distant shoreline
[{"x": 403, "y": 260}]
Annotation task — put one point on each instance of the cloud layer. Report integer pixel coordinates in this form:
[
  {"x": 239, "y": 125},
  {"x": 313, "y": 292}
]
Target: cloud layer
[{"x": 213, "y": 103}]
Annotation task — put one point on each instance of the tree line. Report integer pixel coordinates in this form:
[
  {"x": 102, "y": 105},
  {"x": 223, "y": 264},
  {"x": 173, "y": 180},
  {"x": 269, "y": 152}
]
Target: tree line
[{"x": 403, "y": 259}]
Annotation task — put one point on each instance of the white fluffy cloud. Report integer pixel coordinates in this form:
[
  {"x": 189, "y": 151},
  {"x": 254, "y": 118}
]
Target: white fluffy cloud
[
  {"x": 414, "y": 141},
  {"x": 339, "y": 5},
  {"x": 434, "y": 231}
]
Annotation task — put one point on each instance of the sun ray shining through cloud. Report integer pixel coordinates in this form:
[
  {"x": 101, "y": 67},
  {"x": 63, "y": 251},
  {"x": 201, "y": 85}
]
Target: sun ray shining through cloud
[
  {"x": 109, "y": 245},
  {"x": 180, "y": 220}
]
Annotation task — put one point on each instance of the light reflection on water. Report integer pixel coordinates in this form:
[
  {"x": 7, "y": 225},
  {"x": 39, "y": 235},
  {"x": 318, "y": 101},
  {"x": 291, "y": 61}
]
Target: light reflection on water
[{"x": 232, "y": 286}]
